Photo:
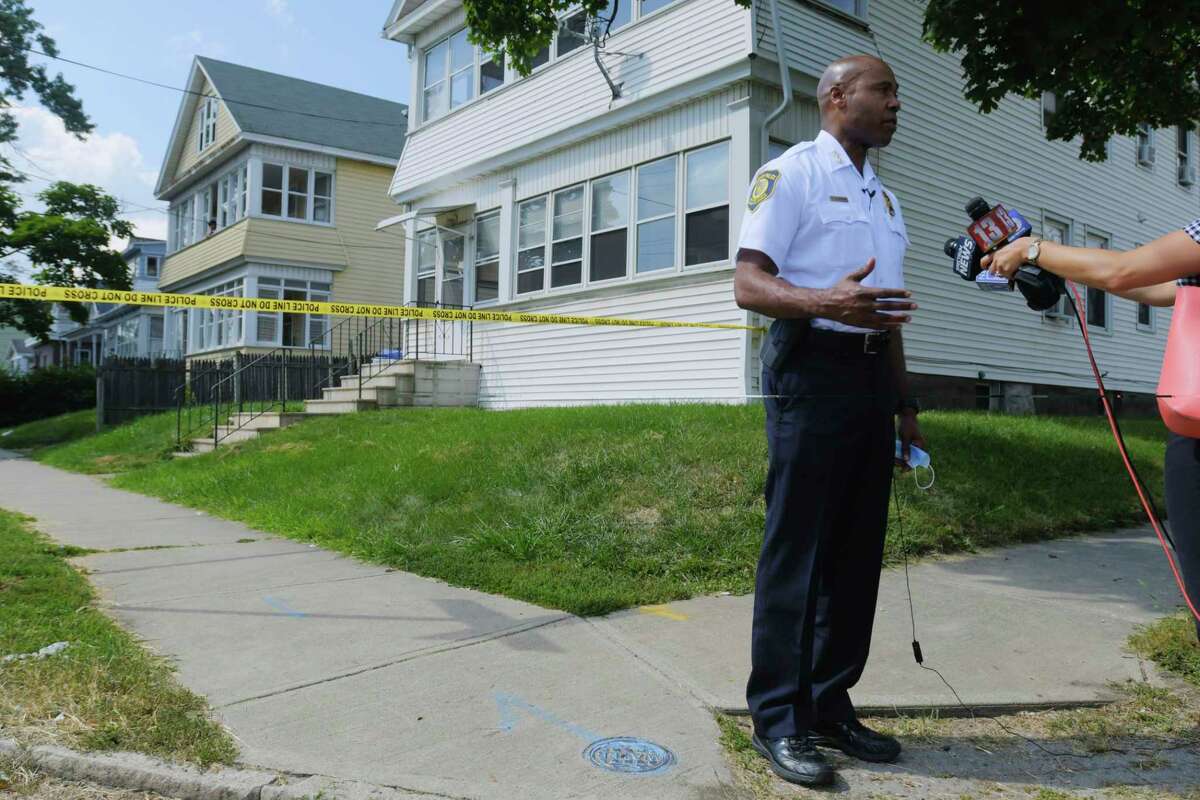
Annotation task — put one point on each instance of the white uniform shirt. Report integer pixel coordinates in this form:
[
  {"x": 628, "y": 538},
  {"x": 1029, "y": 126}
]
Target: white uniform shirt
[{"x": 813, "y": 213}]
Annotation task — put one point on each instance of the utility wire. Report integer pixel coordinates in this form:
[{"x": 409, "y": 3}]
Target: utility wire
[{"x": 227, "y": 100}]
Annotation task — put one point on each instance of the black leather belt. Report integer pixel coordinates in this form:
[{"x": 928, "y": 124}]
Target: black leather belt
[{"x": 871, "y": 344}]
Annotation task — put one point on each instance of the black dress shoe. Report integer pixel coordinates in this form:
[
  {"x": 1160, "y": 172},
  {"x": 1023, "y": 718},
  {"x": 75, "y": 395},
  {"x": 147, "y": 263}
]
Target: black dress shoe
[
  {"x": 857, "y": 740},
  {"x": 795, "y": 759}
]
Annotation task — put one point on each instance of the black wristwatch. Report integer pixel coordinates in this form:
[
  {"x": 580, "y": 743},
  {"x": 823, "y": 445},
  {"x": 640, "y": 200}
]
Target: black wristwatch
[{"x": 908, "y": 404}]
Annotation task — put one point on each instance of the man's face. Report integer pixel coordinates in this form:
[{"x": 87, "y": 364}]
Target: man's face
[{"x": 873, "y": 106}]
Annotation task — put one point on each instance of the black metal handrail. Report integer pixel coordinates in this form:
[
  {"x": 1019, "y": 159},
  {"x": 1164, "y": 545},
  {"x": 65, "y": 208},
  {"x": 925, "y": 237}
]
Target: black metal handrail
[{"x": 365, "y": 346}]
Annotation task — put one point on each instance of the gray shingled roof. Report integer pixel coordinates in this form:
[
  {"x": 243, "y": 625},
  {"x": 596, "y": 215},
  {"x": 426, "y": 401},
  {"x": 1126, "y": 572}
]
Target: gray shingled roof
[{"x": 331, "y": 117}]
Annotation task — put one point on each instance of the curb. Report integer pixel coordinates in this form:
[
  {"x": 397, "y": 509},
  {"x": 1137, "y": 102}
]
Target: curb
[{"x": 142, "y": 773}]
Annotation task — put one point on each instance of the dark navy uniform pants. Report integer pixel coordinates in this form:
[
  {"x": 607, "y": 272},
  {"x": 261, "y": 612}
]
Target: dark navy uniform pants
[
  {"x": 1182, "y": 478},
  {"x": 830, "y": 438}
]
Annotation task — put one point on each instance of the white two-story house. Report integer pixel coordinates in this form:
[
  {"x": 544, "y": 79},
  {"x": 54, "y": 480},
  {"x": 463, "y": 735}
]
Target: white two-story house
[{"x": 612, "y": 181}]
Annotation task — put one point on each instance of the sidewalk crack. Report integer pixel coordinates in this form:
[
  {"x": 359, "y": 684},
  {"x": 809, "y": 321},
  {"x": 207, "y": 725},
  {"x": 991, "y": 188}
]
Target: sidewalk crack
[{"x": 491, "y": 637}]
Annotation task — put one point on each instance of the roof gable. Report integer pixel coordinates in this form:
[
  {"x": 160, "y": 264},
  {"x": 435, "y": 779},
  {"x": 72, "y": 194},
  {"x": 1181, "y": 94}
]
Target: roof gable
[
  {"x": 268, "y": 104},
  {"x": 262, "y": 103}
]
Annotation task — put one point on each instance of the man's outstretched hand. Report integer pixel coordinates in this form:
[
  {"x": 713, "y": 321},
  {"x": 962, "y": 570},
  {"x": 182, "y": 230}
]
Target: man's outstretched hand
[{"x": 851, "y": 303}]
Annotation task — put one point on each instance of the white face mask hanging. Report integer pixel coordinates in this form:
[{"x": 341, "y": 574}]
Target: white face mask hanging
[{"x": 918, "y": 460}]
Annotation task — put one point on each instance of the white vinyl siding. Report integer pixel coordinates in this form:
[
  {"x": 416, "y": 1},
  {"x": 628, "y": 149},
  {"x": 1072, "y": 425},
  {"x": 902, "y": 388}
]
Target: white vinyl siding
[
  {"x": 528, "y": 365},
  {"x": 676, "y": 42}
]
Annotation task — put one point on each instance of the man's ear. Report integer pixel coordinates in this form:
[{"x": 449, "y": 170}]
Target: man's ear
[{"x": 837, "y": 95}]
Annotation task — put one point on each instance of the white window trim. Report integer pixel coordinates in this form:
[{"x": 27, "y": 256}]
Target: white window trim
[
  {"x": 1107, "y": 327},
  {"x": 279, "y": 318},
  {"x": 208, "y": 122},
  {"x": 672, "y": 214},
  {"x": 859, "y": 14},
  {"x": 194, "y": 316},
  {"x": 1061, "y": 314},
  {"x": 197, "y": 219},
  {"x": 470, "y": 276},
  {"x": 1144, "y": 130},
  {"x": 286, "y": 166},
  {"x": 685, "y": 211},
  {"x": 631, "y": 274}
]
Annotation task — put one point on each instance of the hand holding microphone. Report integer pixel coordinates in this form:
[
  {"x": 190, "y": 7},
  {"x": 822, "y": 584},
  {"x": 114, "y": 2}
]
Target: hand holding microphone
[{"x": 1008, "y": 259}]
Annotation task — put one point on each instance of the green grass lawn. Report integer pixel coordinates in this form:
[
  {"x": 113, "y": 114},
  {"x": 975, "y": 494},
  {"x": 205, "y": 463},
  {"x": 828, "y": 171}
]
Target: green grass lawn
[
  {"x": 46, "y": 432},
  {"x": 1172, "y": 644},
  {"x": 600, "y": 508},
  {"x": 104, "y": 692}
]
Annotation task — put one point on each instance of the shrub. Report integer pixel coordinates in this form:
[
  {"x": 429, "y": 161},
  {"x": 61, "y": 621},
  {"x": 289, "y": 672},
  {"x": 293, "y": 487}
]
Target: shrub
[{"x": 45, "y": 392}]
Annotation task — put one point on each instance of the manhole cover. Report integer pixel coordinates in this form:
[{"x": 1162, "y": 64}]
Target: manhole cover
[{"x": 629, "y": 755}]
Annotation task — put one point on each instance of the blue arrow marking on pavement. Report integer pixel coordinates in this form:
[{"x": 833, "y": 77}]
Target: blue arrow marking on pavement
[
  {"x": 283, "y": 607},
  {"x": 508, "y": 704}
]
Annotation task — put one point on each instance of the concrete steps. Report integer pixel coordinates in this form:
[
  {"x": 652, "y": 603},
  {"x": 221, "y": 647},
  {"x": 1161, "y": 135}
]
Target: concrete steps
[
  {"x": 339, "y": 406},
  {"x": 428, "y": 384}
]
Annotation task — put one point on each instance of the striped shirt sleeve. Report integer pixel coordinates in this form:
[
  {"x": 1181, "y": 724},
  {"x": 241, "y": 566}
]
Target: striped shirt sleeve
[{"x": 1192, "y": 230}]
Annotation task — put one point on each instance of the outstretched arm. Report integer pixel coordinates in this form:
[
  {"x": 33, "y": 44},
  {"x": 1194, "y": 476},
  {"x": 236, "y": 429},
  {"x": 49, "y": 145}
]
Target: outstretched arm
[{"x": 1166, "y": 259}]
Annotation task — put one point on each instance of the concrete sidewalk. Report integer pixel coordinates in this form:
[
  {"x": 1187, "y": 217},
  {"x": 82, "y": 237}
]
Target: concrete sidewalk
[{"x": 323, "y": 665}]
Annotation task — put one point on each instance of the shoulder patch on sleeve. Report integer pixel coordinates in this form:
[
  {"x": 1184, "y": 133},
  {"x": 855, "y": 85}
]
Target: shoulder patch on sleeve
[{"x": 764, "y": 187}]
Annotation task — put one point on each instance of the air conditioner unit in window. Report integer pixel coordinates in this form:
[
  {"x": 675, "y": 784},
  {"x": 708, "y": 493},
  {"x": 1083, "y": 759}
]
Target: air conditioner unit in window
[
  {"x": 1187, "y": 174},
  {"x": 1145, "y": 154}
]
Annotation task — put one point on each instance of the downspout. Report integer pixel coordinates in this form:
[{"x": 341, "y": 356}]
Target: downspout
[{"x": 785, "y": 82}]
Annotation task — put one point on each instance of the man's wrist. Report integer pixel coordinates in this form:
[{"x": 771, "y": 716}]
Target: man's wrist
[{"x": 908, "y": 407}]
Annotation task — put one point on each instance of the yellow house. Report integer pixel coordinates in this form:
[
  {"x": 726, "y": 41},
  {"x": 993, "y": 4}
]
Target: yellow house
[{"x": 275, "y": 186}]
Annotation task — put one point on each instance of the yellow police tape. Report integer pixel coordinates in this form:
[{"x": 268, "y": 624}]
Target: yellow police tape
[{"x": 18, "y": 291}]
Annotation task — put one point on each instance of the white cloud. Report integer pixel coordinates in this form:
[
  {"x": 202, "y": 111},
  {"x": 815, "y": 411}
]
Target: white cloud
[
  {"x": 112, "y": 161},
  {"x": 279, "y": 9}
]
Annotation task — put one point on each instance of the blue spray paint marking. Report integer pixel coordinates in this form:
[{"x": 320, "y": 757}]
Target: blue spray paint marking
[
  {"x": 508, "y": 705},
  {"x": 283, "y": 607},
  {"x": 626, "y": 755}
]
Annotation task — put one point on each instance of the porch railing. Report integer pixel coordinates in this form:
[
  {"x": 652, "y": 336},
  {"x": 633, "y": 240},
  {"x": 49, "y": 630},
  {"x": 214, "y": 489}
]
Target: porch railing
[{"x": 223, "y": 397}]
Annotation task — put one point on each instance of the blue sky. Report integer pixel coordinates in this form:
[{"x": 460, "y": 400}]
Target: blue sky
[{"x": 337, "y": 43}]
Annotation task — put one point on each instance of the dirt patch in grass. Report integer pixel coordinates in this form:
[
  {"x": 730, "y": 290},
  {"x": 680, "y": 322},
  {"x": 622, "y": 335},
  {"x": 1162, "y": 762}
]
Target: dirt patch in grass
[{"x": 1146, "y": 746}]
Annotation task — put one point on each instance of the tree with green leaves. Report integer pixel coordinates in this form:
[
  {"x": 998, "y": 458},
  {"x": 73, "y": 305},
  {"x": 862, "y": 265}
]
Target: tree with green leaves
[
  {"x": 68, "y": 242},
  {"x": 1111, "y": 65}
]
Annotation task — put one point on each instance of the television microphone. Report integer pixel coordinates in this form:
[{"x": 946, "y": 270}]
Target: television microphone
[{"x": 990, "y": 229}]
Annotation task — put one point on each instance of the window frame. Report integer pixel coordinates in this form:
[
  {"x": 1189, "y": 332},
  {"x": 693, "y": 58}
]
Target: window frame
[
  {"x": 581, "y": 236},
  {"x": 859, "y": 14},
  {"x": 1144, "y": 136},
  {"x": 279, "y": 286},
  {"x": 545, "y": 246},
  {"x": 687, "y": 211},
  {"x": 591, "y": 233},
  {"x": 146, "y": 273},
  {"x": 631, "y": 225},
  {"x": 310, "y": 196},
  {"x": 1185, "y": 153},
  {"x": 1089, "y": 234},
  {"x": 208, "y": 122},
  {"x": 476, "y": 261},
  {"x": 1060, "y": 313},
  {"x": 1043, "y": 109},
  {"x": 638, "y": 221}
]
